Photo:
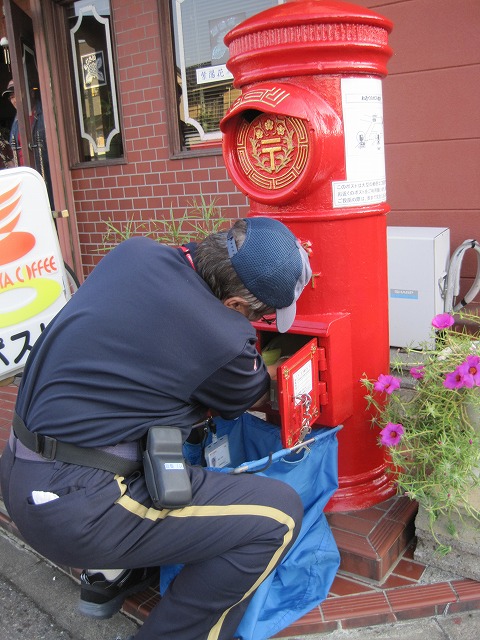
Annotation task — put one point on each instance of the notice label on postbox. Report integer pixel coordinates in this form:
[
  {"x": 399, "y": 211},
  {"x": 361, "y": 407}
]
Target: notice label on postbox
[
  {"x": 298, "y": 395},
  {"x": 365, "y": 183},
  {"x": 302, "y": 381},
  {"x": 32, "y": 276}
]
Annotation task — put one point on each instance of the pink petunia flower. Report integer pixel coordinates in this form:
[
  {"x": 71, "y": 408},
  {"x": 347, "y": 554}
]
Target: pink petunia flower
[
  {"x": 443, "y": 321},
  {"x": 471, "y": 377},
  {"x": 417, "y": 372},
  {"x": 391, "y": 434},
  {"x": 456, "y": 379},
  {"x": 387, "y": 383}
]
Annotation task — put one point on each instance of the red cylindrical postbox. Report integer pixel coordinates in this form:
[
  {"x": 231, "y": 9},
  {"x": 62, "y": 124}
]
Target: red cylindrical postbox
[{"x": 304, "y": 142}]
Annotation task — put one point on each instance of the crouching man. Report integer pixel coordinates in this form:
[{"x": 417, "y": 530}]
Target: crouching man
[{"x": 157, "y": 337}]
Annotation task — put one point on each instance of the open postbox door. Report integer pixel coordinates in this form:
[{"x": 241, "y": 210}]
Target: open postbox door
[
  {"x": 313, "y": 386},
  {"x": 298, "y": 390}
]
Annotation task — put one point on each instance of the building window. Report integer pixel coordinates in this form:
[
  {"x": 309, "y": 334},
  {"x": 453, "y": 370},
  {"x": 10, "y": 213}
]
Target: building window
[
  {"x": 89, "y": 23},
  {"x": 204, "y": 87}
]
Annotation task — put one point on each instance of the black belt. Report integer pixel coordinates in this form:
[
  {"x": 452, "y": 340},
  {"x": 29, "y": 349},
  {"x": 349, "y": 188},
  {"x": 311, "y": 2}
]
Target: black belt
[{"x": 52, "y": 449}]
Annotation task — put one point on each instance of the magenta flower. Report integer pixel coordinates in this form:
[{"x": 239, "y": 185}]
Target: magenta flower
[
  {"x": 391, "y": 434},
  {"x": 443, "y": 321},
  {"x": 455, "y": 379},
  {"x": 417, "y": 372},
  {"x": 387, "y": 383},
  {"x": 471, "y": 377}
]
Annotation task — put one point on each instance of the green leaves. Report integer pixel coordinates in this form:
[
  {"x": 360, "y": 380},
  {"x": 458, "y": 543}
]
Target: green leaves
[
  {"x": 437, "y": 459},
  {"x": 200, "y": 220}
]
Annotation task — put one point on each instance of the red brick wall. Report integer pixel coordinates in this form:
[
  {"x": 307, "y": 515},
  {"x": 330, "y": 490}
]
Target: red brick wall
[
  {"x": 149, "y": 183},
  {"x": 432, "y": 129},
  {"x": 8, "y": 397}
]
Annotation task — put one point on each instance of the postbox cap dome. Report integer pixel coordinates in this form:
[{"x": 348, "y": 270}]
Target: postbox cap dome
[{"x": 272, "y": 265}]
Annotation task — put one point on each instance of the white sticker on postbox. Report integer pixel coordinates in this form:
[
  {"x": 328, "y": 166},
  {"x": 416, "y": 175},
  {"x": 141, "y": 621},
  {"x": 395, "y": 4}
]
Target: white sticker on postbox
[{"x": 302, "y": 381}]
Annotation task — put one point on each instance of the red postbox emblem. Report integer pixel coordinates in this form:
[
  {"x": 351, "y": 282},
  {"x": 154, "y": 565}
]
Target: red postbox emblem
[
  {"x": 279, "y": 140},
  {"x": 273, "y": 150}
]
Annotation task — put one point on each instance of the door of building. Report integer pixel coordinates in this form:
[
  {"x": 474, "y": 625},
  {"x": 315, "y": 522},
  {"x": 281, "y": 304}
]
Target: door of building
[
  {"x": 29, "y": 139},
  {"x": 43, "y": 139}
]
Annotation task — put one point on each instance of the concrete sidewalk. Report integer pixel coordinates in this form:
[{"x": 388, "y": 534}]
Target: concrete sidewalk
[{"x": 38, "y": 602}]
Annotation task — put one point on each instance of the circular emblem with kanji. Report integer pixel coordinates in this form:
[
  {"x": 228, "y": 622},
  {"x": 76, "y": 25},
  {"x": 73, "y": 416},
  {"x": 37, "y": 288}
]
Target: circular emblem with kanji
[{"x": 272, "y": 150}]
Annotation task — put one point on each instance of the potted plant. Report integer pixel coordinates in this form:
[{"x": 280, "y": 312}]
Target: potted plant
[{"x": 432, "y": 430}]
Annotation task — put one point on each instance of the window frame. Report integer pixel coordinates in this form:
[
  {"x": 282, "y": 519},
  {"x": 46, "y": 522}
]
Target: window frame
[
  {"x": 167, "y": 39},
  {"x": 60, "y": 32},
  {"x": 170, "y": 82}
]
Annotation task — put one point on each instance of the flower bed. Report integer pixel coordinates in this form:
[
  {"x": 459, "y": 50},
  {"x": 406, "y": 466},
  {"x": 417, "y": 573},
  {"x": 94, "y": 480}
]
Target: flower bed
[{"x": 432, "y": 434}]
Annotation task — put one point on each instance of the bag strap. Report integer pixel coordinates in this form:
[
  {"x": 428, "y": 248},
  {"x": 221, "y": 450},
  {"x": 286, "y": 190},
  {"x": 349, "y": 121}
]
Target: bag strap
[{"x": 52, "y": 449}]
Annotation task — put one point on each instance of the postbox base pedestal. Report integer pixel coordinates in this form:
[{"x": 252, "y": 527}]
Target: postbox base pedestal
[
  {"x": 362, "y": 491},
  {"x": 371, "y": 541}
]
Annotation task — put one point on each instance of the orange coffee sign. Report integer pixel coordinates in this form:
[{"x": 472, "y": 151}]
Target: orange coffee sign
[{"x": 32, "y": 276}]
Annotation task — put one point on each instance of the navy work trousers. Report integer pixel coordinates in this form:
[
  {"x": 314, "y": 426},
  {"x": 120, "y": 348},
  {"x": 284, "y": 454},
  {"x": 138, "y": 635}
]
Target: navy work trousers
[{"x": 234, "y": 533}]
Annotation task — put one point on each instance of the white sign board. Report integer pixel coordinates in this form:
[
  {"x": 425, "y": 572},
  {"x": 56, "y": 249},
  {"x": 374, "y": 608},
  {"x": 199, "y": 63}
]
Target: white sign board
[
  {"x": 32, "y": 275},
  {"x": 362, "y": 105},
  {"x": 218, "y": 73}
]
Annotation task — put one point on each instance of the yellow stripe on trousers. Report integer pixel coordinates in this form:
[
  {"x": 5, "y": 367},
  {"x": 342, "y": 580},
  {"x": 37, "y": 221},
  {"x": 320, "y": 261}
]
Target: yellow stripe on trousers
[{"x": 200, "y": 511}]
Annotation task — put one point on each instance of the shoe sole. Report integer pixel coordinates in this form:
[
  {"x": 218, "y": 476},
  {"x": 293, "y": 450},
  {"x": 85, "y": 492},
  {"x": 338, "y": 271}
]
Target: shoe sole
[{"x": 108, "y": 609}]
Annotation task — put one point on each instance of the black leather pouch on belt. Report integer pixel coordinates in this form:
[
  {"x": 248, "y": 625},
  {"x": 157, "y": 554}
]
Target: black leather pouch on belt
[{"x": 168, "y": 482}]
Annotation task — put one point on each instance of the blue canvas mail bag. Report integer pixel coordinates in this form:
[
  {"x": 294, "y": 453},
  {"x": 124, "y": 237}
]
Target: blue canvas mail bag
[{"x": 304, "y": 577}]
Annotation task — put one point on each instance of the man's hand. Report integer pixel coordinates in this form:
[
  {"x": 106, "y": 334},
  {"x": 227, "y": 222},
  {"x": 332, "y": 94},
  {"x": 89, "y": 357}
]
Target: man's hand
[{"x": 272, "y": 370}]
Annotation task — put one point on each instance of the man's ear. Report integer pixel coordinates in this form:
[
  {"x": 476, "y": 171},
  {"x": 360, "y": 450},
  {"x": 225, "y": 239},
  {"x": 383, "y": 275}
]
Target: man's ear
[{"x": 237, "y": 303}]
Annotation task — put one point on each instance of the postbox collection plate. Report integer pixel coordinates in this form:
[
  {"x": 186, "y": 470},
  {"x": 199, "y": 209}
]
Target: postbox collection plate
[
  {"x": 298, "y": 393},
  {"x": 272, "y": 150}
]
